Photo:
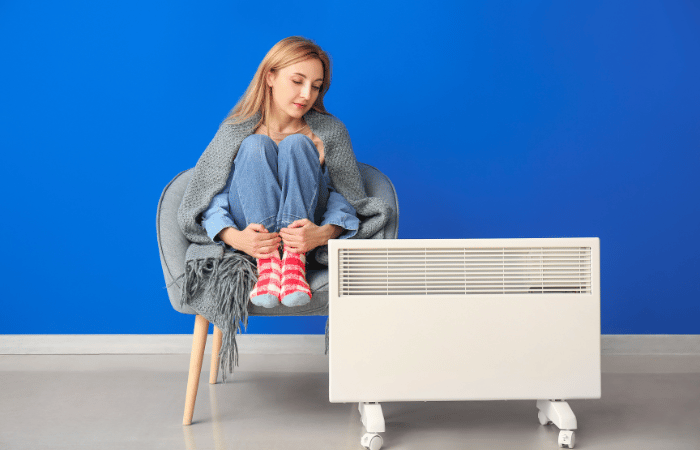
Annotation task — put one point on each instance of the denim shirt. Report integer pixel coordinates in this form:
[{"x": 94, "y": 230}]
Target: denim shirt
[{"x": 338, "y": 212}]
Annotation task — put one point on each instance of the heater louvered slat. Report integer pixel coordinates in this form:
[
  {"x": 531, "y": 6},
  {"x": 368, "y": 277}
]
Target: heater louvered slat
[{"x": 426, "y": 271}]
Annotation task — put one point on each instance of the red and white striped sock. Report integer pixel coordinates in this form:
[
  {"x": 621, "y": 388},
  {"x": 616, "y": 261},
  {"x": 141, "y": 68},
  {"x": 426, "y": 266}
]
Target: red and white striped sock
[
  {"x": 266, "y": 292},
  {"x": 295, "y": 288}
]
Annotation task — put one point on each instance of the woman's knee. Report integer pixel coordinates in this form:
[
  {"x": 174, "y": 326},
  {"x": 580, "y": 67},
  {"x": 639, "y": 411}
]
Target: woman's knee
[
  {"x": 297, "y": 139},
  {"x": 256, "y": 146},
  {"x": 297, "y": 144}
]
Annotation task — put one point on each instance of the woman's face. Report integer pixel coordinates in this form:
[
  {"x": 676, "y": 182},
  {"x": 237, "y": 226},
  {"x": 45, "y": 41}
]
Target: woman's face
[{"x": 295, "y": 88}]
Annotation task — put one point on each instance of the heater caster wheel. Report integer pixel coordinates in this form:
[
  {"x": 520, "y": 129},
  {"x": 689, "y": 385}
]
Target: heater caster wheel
[
  {"x": 372, "y": 441},
  {"x": 566, "y": 439},
  {"x": 544, "y": 420}
]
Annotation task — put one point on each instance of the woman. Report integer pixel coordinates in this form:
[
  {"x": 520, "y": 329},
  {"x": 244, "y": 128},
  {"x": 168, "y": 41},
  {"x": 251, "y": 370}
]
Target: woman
[
  {"x": 280, "y": 171},
  {"x": 272, "y": 192}
]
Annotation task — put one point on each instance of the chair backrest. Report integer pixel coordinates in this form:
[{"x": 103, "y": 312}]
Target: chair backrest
[{"x": 173, "y": 244}]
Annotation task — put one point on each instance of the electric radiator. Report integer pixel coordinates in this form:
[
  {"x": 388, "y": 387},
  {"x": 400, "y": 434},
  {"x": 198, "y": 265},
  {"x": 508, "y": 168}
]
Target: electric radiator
[{"x": 469, "y": 319}]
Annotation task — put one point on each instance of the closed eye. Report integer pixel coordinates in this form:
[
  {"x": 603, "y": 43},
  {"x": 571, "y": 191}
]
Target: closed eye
[{"x": 318, "y": 88}]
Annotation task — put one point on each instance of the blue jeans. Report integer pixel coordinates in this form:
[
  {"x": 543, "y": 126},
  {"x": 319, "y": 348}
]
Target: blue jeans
[{"x": 274, "y": 185}]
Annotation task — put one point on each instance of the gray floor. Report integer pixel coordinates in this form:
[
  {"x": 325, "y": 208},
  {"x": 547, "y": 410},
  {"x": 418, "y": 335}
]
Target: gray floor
[{"x": 281, "y": 402}]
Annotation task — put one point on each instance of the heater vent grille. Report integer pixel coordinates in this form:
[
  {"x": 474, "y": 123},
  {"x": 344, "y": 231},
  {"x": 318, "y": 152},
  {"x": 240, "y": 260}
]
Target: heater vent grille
[{"x": 459, "y": 271}]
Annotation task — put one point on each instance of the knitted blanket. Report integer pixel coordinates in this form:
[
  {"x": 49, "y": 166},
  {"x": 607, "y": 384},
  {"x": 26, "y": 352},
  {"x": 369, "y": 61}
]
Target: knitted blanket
[{"x": 218, "y": 281}]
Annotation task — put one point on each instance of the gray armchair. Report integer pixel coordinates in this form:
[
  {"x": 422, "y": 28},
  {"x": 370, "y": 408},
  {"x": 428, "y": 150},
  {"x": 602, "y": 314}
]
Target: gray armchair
[{"x": 173, "y": 246}]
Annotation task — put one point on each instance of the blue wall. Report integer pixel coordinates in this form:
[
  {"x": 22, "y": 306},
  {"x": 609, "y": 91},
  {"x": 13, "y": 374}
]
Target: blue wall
[{"x": 494, "y": 119}]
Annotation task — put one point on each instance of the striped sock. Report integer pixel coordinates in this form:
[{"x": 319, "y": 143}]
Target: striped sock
[
  {"x": 266, "y": 292},
  {"x": 295, "y": 289}
]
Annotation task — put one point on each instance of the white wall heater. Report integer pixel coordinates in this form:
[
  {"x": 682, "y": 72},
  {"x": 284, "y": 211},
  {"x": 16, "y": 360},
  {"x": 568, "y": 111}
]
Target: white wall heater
[{"x": 466, "y": 319}]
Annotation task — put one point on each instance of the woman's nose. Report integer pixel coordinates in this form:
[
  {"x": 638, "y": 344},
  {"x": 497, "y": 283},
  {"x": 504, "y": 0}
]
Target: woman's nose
[{"x": 306, "y": 91}]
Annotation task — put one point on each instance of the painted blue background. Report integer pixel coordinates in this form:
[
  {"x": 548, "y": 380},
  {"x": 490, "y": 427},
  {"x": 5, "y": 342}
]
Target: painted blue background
[{"x": 494, "y": 119}]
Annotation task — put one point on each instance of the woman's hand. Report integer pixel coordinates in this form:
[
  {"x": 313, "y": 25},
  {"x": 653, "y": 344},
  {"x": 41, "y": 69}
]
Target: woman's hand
[
  {"x": 302, "y": 236},
  {"x": 255, "y": 240}
]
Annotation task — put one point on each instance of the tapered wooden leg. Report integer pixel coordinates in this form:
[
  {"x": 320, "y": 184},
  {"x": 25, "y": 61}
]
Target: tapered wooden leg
[
  {"x": 199, "y": 341},
  {"x": 215, "y": 349}
]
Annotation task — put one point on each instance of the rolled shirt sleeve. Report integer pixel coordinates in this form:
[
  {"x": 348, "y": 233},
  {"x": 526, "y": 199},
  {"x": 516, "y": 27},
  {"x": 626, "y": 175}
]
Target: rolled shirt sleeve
[
  {"x": 339, "y": 212},
  {"x": 218, "y": 216}
]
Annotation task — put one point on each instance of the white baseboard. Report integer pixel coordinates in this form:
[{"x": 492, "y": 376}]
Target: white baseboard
[
  {"x": 650, "y": 344},
  {"x": 95, "y": 344},
  {"x": 101, "y": 344}
]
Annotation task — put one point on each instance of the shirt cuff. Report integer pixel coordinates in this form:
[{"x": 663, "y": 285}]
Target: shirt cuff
[
  {"x": 214, "y": 225},
  {"x": 351, "y": 224}
]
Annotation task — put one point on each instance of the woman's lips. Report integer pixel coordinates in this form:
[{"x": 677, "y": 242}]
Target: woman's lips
[{"x": 299, "y": 105}]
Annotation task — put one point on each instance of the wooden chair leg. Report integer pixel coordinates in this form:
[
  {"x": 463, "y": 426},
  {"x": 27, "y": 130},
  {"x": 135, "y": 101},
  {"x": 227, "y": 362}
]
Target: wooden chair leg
[
  {"x": 215, "y": 349},
  {"x": 199, "y": 341}
]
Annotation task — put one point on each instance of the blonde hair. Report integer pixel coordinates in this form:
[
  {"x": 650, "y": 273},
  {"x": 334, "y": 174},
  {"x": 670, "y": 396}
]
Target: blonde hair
[{"x": 286, "y": 52}]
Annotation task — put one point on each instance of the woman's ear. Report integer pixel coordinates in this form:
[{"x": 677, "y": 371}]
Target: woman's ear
[{"x": 269, "y": 78}]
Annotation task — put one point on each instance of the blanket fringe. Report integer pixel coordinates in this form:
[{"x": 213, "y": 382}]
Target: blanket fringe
[{"x": 226, "y": 284}]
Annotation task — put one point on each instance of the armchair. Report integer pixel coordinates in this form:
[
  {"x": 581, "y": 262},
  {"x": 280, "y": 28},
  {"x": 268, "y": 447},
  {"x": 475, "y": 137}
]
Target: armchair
[{"x": 173, "y": 245}]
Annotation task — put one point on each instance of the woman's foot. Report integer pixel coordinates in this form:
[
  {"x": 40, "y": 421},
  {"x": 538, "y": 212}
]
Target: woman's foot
[
  {"x": 267, "y": 290},
  {"x": 295, "y": 289}
]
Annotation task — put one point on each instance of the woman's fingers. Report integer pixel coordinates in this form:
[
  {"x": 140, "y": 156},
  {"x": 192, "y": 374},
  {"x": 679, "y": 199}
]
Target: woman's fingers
[
  {"x": 267, "y": 241},
  {"x": 258, "y": 227},
  {"x": 260, "y": 243},
  {"x": 291, "y": 240},
  {"x": 299, "y": 228},
  {"x": 269, "y": 246},
  {"x": 300, "y": 235},
  {"x": 295, "y": 243},
  {"x": 267, "y": 252},
  {"x": 299, "y": 223},
  {"x": 294, "y": 248}
]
